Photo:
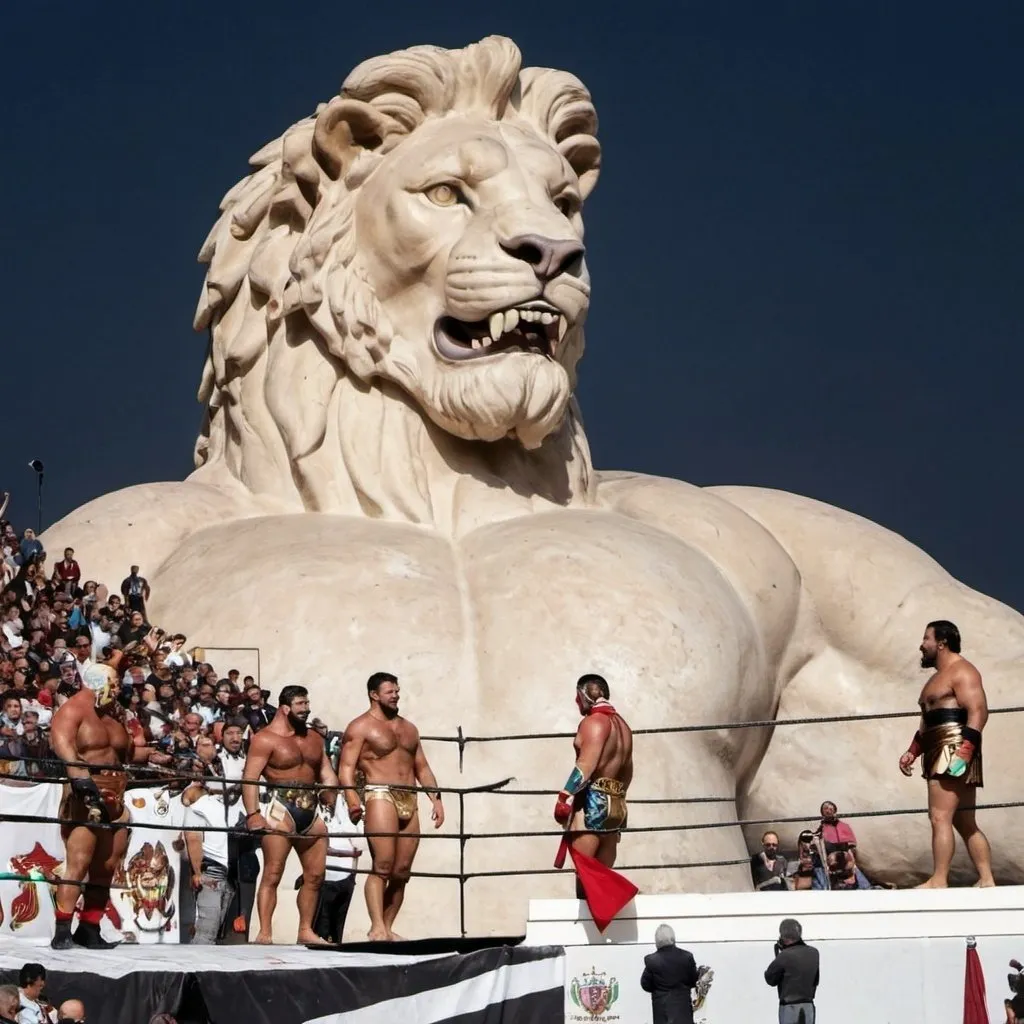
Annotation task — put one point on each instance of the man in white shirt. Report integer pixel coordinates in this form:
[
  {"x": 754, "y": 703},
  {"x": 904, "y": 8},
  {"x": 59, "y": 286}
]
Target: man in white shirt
[
  {"x": 208, "y": 857},
  {"x": 83, "y": 655},
  {"x": 242, "y": 847},
  {"x": 344, "y": 848},
  {"x": 206, "y": 707},
  {"x": 178, "y": 656},
  {"x": 232, "y": 755},
  {"x": 31, "y": 985}
]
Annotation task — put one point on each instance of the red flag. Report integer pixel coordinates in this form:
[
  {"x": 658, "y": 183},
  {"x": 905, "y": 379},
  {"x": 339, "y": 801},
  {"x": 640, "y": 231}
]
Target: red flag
[
  {"x": 975, "y": 1010},
  {"x": 605, "y": 891}
]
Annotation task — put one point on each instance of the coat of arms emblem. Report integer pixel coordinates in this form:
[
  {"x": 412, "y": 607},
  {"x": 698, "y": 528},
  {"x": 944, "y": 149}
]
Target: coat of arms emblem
[{"x": 593, "y": 993}]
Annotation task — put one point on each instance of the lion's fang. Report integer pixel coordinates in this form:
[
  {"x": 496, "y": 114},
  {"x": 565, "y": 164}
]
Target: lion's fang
[{"x": 496, "y": 324}]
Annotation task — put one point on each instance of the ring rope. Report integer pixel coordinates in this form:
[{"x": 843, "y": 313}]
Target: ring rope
[
  {"x": 466, "y": 836},
  {"x": 768, "y": 723}
]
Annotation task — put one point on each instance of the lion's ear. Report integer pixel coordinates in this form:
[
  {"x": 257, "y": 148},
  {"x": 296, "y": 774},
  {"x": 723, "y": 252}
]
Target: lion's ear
[{"x": 345, "y": 128}]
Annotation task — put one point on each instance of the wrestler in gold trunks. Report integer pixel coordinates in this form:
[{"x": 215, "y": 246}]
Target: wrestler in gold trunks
[
  {"x": 954, "y": 711},
  {"x": 89, "y": 729},
  {"x": 593, "y": 801},
  {"x": 293, "y": 760},
  {"x": 386, "y": 749}
]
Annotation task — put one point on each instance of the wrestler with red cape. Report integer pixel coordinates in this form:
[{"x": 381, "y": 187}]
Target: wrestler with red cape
[{"x": 592, "y": 805}]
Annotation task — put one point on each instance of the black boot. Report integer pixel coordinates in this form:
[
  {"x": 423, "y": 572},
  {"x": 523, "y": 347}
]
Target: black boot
[
  {"x": 88, "y": 937},
  {"x": 62, "y": 936}
]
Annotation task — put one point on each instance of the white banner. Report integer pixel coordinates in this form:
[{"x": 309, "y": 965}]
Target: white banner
[
  {"x": 912, "y": 981},
  {"x": 26, "y": 908},
  {"x": 146, "y": 911}
]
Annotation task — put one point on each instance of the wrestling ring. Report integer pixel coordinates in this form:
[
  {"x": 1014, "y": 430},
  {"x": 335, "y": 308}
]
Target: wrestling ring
[{"x": 145, "y": 776}]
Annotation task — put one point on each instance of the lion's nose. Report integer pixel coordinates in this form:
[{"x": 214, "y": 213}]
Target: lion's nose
[{"x": 549, "y": 257}]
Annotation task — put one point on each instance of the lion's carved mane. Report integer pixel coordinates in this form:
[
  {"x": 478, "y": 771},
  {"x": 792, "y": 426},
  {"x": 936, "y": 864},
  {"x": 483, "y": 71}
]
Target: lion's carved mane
[{"x": 294, "y": 411}]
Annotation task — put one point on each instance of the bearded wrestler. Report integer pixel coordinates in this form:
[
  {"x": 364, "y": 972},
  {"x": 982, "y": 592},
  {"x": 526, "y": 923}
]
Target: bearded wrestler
[
  {"x": 386, "y": 748},
  {"x": 954, "y": 712},
  {"x": 292, "y": 758},
  {"x": 593, "y": 803},
  {"x": 90, "y": 728}
]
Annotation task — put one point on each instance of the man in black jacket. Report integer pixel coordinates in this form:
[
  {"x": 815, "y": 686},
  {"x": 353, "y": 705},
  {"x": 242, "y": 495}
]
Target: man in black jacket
[
  {"x": 670, "y": 973},
  {"x": 794, "y": 972}
]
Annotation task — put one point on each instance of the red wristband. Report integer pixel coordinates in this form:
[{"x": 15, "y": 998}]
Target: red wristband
[{"x": 915, "y": 745}]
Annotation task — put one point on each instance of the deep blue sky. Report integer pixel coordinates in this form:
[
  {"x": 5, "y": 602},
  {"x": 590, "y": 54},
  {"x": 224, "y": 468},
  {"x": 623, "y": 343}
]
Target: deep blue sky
[{"x": 805, "y": 244}]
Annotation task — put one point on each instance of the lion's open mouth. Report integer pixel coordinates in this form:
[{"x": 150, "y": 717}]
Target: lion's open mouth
[{"x": 533, "y": 327}]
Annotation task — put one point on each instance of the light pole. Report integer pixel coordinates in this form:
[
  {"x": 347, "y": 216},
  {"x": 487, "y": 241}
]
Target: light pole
[{"x": 37, "y": 465}]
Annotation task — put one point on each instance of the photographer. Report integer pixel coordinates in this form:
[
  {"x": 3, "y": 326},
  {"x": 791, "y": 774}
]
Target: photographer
[
  {"x": 1015, "y": 1006},
  {"x": 809, "y": 872},
  {"x": 842, "y": 872},
  {"x": 794, "y": 972}
]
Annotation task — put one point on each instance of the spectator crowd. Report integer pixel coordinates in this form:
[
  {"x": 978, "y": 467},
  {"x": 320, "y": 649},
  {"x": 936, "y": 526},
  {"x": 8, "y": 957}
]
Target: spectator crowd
[
  {"x": 190, "y": 725},
  {"x": 826, "y": 858}
]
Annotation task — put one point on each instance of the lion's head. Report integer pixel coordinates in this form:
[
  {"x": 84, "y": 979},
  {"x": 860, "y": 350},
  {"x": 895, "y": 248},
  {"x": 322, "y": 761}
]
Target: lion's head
[{"x": 419, "y": 238}]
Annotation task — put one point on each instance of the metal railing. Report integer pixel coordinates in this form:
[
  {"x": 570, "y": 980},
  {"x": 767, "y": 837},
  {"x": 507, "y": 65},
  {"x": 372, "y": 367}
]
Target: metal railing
[{"x": 501, "y": 788}]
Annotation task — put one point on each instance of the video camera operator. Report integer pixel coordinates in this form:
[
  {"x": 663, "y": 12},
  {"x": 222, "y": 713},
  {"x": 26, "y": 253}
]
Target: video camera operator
[
  {"x": 1015, "y": 1006},
  {"x": 795, "y": 973}
]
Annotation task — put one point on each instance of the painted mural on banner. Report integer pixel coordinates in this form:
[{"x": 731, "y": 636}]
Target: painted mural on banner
[
  {"x": 913, "y": 981},
  {"x": 32, "y": 851},
  {"x": 147, "y": 909}
]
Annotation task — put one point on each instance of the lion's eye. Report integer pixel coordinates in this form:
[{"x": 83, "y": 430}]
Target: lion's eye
[
  {"x": 443, "y": 195},
  {"x": 567, "y": 204}
]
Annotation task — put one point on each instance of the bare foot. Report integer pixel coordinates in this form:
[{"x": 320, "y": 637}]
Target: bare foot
[
  {"x": 932, "y": 884},
  {"x": 395, "y": 937},
  {"x": 988, "y": 883},
  {"x": 378, "y": 935},
  {"x": 311, "y": 939},
  {"x": 264, "y": 940}
]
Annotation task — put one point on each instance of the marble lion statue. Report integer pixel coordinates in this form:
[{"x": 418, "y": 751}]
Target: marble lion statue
[{"x": 393, "y": 474}]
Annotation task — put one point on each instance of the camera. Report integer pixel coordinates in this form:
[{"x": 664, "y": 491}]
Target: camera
[{"x": 1016, "y": 980}]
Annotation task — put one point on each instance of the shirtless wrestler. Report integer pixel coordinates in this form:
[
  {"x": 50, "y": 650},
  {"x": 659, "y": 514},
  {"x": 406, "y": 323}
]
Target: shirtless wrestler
[
  {"x": 954, "y": 711},
  {"x": 289, "y": 756},
  {"x": 593, "y": 802},
  {"x": 386, "y": 748},
  {"x": 89, "y": 727}
]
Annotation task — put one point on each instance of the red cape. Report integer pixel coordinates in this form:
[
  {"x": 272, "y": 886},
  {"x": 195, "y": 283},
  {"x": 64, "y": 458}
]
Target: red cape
[{"x": 605, "y": 891}]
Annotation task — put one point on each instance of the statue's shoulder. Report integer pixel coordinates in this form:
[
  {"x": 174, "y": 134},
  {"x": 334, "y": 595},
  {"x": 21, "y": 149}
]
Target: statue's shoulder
[
  {"x": 696, "y": 515},
  {"x": 745, "y": 551},
  {"x": 873, "y": 590},
  {"x": 143, "y": 524}
]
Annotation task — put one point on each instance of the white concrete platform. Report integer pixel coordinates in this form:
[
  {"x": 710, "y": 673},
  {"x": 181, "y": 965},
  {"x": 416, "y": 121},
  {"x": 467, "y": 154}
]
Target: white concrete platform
[
  {"x": 887, "y": 957},
  {"x": 131, "y": 959},
  {"x": 746, "y": 916}
]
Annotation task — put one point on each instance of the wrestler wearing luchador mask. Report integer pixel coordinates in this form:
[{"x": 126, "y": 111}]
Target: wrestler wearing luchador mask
[
  {"x": 593, "y": 802},
  {"x": 89, "y": 729},
  {"x": 954, "y": 711}
]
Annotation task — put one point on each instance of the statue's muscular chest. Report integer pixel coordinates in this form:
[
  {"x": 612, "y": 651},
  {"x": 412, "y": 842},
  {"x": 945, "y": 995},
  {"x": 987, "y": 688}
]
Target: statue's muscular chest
[{"x": 506, "y": 618}]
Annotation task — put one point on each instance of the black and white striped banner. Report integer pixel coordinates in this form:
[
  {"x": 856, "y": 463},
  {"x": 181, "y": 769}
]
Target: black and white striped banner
[
  {"x": 505, "y": 985},
  {"x": 289, "y": 985}
]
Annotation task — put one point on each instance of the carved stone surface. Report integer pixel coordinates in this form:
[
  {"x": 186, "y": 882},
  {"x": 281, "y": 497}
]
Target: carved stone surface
[{"x": 393, "y": 475}]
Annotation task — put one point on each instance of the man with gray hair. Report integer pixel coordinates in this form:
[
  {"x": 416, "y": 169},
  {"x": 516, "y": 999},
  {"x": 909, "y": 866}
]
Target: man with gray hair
[
  {"x": 794, "y": 972},
  {"x": 670, "y": 974},
  {"x": 10, "y": 1000}
]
